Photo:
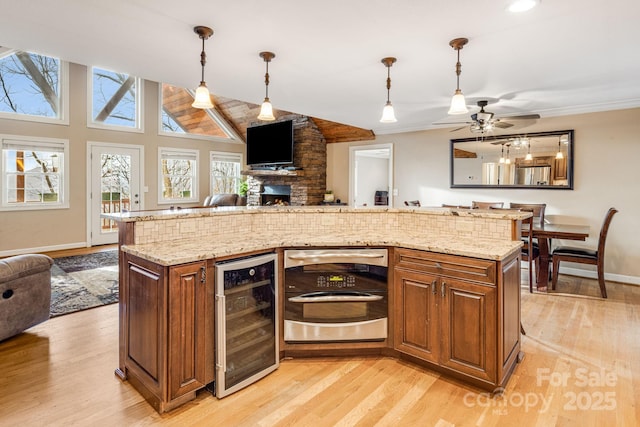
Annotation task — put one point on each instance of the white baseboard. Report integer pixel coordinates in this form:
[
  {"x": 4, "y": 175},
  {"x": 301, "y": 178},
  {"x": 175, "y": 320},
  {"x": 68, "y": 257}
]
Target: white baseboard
[
  {"x": 43, "y": 249},
  {"x": 591, "y": 274}
]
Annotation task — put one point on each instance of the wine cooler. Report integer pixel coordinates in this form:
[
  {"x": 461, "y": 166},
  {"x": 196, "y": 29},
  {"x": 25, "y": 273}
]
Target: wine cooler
[{"x": 246, "y": 322}]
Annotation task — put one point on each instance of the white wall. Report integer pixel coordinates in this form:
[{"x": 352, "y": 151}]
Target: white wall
[{"x": 607, "y": 169}]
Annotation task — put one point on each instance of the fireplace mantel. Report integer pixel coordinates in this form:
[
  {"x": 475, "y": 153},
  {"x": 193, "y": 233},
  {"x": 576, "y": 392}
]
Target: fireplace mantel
[{"x": 278, "y": 172}]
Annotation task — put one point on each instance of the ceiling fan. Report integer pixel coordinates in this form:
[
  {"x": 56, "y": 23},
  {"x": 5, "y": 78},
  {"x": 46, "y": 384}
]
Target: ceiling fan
[{"x": 484, "y": 121}]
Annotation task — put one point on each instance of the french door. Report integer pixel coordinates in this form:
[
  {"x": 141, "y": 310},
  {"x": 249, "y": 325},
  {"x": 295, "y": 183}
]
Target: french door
[{"x": 115, "y": 177}]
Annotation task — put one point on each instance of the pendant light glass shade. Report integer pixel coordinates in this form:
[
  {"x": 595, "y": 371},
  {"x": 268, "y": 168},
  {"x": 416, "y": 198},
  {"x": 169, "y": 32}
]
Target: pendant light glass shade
[
  {"x": 388, "y": 115},
  {"x": 266, "y": 110},
  {"x": 529, "y": 156},
  {"x": 458, "y": 103},
  {"x": 202, "y": 99}
]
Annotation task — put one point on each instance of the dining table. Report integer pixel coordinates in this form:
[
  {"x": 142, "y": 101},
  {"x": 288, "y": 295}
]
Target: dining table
[{"x": 544, "y": 233}]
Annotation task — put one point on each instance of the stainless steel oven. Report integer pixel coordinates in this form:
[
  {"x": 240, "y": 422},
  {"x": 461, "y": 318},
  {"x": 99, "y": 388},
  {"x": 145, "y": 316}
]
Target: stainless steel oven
[{"x": 335, "y": 294}]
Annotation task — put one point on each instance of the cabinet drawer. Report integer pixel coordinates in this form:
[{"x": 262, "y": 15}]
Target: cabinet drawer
[{"x": 478, "y": 270}]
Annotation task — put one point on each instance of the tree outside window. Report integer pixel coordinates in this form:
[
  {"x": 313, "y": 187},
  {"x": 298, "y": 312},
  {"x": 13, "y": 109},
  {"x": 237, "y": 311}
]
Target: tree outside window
[
  {"x": 29, "y": 84},
  {"x": 178, "y": 175}
]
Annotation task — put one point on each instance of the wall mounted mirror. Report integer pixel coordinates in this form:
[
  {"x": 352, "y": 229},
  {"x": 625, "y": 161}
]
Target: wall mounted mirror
[{"x": 532, "y": 160}]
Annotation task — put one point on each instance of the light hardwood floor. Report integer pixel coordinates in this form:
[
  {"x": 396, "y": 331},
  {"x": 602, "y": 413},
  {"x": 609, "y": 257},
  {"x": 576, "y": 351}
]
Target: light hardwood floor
[{"x": 581, "y": 368}]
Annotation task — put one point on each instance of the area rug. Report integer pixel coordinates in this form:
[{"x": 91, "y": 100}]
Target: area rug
[{"x": 84, "y": 281}]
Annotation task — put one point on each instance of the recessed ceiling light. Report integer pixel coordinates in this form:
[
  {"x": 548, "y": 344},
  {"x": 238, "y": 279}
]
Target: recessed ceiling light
[{"x": 518, "y": 6}]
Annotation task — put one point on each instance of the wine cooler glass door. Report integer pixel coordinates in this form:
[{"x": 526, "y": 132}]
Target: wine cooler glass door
[{"x": 246, "y": 322}]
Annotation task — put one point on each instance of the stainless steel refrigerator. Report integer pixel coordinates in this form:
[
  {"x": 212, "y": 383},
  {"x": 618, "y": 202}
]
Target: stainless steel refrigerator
[
  {"x": 246, "y": 322},
  {"x": 537, "y": 175}
]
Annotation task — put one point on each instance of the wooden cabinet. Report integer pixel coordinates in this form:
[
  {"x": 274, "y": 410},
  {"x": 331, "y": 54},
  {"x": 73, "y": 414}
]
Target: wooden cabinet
[
  {"x": 166, "y": 334},
  {"x": 560, "y": 168},
  {"x": 458, "y": 313}
]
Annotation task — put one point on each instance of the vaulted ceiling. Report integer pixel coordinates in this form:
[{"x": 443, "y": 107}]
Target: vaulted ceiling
[{"x": 562, "y": 57}]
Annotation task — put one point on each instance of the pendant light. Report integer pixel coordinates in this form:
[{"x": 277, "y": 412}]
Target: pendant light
[
  {"x": 458, "y": 104},
  {"x": 266, "y": 110},
  {"x": 388, "y": 115},
  {"x": 502, "y": 155},
  {"x": 508, "y": 159},
  {"x": 529, "y": 156},
  {"x": 203, "y": 97},
  {"x": 559, "y": 154}
]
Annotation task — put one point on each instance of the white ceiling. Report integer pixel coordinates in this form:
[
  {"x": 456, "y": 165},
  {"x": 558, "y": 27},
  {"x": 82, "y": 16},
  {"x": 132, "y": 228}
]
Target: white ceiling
[{"x": 563, "y": 57}]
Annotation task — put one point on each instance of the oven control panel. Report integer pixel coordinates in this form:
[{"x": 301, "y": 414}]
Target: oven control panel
[{"x": 333, "y": 281}]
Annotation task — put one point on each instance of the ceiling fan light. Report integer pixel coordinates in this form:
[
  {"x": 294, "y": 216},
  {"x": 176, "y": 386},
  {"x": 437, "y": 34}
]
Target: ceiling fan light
[
  {"x": 388, "y": 115},
  {"x": 266, "y": 111},
  {"x": 202, "y": 98},
  {"x": 518, "y": 6},
  {"x": 458, "y": 104}
]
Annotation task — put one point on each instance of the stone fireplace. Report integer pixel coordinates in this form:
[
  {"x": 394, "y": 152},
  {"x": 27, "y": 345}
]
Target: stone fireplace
[
  {"x": 307, "y": 183},
  {"x": 275, "y": 195}
]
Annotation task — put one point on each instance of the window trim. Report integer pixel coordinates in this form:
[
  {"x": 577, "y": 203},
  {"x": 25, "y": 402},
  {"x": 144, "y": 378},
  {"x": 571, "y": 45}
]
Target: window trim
[
  {"x": 234, "y": 138},
  {"x": 91, "y": 123},
  {"x": 63, "y": 80},
  {"x": 229, "y": 154},
  {"x": 195, "y": 197},
  {"x": 63, "y": 200}
]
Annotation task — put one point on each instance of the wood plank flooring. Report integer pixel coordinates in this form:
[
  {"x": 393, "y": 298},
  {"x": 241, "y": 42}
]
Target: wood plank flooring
[{"x": 581, "y": 368}]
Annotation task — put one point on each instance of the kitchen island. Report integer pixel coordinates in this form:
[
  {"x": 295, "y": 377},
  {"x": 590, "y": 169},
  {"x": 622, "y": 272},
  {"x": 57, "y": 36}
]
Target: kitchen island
[{"x": 167, "y": 264}]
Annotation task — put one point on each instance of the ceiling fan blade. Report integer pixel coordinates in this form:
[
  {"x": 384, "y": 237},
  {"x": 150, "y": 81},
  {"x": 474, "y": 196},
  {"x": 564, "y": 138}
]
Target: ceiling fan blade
[
  {"x": 450, "y": 123},
  {"x": 523, "y": 117},
  {"x": 502, "y": 125},
  {"x": 457, "y": 129}
]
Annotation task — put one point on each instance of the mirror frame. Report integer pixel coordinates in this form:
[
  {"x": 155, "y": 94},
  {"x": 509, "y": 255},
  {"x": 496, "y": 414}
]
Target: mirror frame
[{"x": 488, "y": 139}]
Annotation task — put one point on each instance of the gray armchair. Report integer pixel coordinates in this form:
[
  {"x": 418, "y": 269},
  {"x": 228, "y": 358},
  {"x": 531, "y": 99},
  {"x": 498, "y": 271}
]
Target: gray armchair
[{"x": 25, "y": 292}]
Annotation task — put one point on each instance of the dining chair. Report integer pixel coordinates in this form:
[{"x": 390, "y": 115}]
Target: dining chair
[
  {"x": 486, "y": 205},
  {"x": 412, "y": 202},
  {"x": 456, "y": 206},
  {"x": 529, "y": 252},
  {"x": 585, "y": 256},
  {"x": 537, "y": 209}
]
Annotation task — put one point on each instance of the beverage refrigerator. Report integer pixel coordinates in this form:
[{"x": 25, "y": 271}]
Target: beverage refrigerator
[{"x": 246, "y": 322}]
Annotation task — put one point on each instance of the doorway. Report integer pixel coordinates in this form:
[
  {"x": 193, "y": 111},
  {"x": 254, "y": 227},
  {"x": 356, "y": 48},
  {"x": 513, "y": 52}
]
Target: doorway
[
  {"x": 371, "y": 175},
  {"x": 115, "y": 176}
]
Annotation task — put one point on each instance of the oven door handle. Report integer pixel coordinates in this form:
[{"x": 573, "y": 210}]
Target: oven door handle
[
  {"x": 314, "y": 297},
  {"x": 336, "y": 255}
]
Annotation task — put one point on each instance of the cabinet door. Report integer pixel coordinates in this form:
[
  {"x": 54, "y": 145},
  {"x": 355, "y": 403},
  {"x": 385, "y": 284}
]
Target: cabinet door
[
  {"x": 416, "y": 314},
  {"x": 143, "y": 312},
  {"x": 187, "y": 313},
  {"x": 560, "y": 168},
  {"x": 469, "y": 328}
]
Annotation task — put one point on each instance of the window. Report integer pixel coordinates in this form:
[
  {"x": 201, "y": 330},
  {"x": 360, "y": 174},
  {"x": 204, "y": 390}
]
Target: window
[
  {"x": 178, "y": 175},
  {"x": 33, "y": 173},
  {"x": 32, "y": 87},
  {"x": 225, "y": 172},
  {"x": 179, "y": 118},
  {"x": 115, "y": 100}
]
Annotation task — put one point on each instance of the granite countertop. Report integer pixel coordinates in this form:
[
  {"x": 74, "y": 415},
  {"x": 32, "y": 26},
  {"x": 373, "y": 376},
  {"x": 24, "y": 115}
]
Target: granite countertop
[
  {"x": 183, "y": 251},
  {"x": 154, "y": 215}
]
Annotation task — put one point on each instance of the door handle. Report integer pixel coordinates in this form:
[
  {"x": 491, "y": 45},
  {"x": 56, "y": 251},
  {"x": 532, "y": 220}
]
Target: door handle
[
  {"x": 443, "y": 288},
  {"x": 433, "y": 286}
]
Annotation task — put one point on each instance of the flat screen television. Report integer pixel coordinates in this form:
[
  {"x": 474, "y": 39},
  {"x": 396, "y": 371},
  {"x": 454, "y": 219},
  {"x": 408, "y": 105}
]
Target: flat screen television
[{"x": 270, "y": 144}]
